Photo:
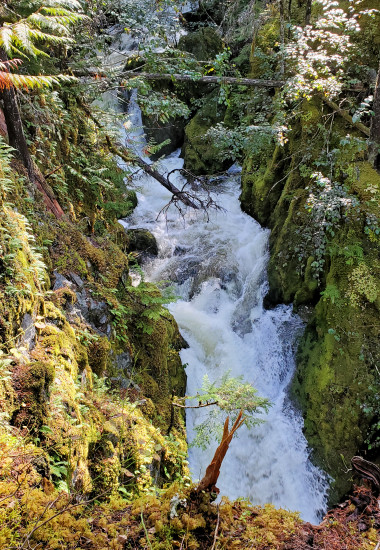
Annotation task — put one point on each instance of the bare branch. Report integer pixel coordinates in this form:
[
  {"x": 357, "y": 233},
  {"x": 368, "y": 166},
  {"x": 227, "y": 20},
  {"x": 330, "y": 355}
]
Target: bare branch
[{"x": 195, "y": 406}]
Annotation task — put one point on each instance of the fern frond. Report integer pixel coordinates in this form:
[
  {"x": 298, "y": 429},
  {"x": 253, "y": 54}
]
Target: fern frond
[
  {"x": 6, "y": 34},
  {"x": 9, "y": 64},
  {"x": 69, "y": 4},
  {"x": 47, "y": 22},
  {"x": 51, "y": 24},
  {"x": 50, "y": 38},
  {"x": 8, "y": 80},
  {"x": 59, "y": 12},
  {"x": 21, "y": 37}
]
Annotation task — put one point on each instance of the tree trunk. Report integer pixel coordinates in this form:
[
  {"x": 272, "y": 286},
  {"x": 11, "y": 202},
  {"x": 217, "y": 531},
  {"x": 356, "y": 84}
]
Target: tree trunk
[
  {"x": 374, "y": 137},
  {"x": 308, "y": 12},
  {"x": 282, "y": 37},
  {"x": 16, "y": 138},
  {"x": 14, "y": 124}
]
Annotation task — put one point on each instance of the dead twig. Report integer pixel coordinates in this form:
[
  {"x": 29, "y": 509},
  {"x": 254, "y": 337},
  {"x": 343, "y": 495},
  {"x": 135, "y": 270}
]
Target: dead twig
[{"x": 216, "y": 530}]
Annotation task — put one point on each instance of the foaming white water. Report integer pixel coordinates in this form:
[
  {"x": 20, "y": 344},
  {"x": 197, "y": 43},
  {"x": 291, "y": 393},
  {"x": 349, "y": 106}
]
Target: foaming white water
[{"x": 218, "y": 268}]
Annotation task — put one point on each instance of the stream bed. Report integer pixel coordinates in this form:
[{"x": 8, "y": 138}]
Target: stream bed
[{"x": 218, "y": 269}]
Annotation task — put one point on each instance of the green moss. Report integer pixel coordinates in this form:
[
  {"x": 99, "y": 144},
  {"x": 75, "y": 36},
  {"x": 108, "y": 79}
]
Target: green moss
[
  {"x": 98, "y": 352},
  {"x": 262, "y": 60},
  {"x": 203, "y": 44},
  {"x": 159, "y": 368},
  {"x": 337, "y": 354},
  {"x": 201, "y": 156},
  {"x": 31, "y": 383}
]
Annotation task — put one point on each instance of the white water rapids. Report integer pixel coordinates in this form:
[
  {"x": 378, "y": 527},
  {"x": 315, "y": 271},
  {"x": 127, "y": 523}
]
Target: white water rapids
[{"x": 218, "y": 268}]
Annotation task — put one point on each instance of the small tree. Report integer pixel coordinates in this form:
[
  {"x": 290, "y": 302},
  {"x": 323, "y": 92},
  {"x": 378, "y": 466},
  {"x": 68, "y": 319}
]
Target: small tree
[{"x": 228, "y": 398}]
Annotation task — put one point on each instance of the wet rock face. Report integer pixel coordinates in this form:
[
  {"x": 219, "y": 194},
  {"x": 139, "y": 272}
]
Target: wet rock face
[
  {"x": 28, "y": 339},
  {"x": 94, "y": 312},
  {"x": 173, "y": 130}
]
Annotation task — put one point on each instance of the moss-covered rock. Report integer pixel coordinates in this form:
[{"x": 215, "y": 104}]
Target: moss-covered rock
[
  {"x": 336, "y": 376},
  {"x": 159, "y": 368},
  {"x": 200, "y": 154},
  {"x": 31, "y": 383},
  {"x": 142, "y": 240},
  {"x": 204, "y": 44}
]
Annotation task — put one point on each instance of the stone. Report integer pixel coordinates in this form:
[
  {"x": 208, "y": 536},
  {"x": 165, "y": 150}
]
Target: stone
[
  {"x": 28, "y": 339},
  {"x": 142, "y": 240},
  {"x": 203, "y": 44},
  {"x": 174, "y": 130},
  {"x": 61, "y": 281},
  {"x": 77, "y": 280}
]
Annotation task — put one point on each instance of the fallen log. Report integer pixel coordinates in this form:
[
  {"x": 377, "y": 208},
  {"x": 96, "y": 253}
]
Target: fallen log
[
  {"x": 127, "y": 156},
  {"x": 253, "y": 82},
  {"x": 346, "y": 115},
  {"x": 367, "y": 470}
]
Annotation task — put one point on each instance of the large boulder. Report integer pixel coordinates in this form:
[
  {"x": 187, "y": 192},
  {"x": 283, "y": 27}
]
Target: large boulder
[
  {"x": 199, "y": 152},
  {"x": 204, "y": 44}
]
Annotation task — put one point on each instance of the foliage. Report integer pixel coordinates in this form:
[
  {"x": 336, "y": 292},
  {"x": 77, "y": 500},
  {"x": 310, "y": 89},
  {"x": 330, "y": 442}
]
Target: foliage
[
  {"x": 17, "y": 242},
  {"x": 228, "y": 397},
  {"x": 320, "y": 53},
  {"x": 49, "y": 24},
  {"x": 362, "y": 286},
  {"x": 328, "y": 202},
  {"x": 162, "y": 106}
]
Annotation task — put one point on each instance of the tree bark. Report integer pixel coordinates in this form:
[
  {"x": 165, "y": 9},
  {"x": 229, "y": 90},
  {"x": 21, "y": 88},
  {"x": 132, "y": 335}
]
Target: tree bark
[
  {"x": 282, "y": 37},
  {"x": 17, "y": 140},
  {"x": 13, "y": 121},
  {"x": 374, "y": 137},
  {"x": 308, "y": 12}
]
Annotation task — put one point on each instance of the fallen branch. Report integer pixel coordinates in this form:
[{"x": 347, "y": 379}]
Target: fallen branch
[
  {"x": 367, "y": 470},
  {"x": 345, "y": 114},
  {"x": 127, "y": 156},
  {"x": 252, "y": 82},
  {"x": 208, "y": 482},
  {"x": 195, "y": 406}
]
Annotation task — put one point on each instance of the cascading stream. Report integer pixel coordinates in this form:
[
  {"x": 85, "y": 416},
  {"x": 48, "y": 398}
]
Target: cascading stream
[{"x": 218, "y": 268}]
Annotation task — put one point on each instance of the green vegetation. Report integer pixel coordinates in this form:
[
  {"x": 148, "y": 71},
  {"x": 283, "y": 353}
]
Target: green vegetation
[{"x": 93, "y": 453}]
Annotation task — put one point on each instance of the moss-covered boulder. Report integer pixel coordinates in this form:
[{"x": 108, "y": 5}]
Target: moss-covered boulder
[
  {"x": 159, "y": 370},
  {"x": 204, "y": 44},
  {"x": 31, "y": 383},
  {"x": 142, "y": 240},
  {"x": 172, "y": 130},
  {"x": 199, "y": 152}
]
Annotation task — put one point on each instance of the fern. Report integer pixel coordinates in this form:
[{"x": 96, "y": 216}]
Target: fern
[
  {"x": 8, "y": 79},
  {"x": 49, "y": 25}
]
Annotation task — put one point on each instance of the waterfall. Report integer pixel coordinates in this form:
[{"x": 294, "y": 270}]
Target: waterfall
[{"x": 218, "y": 269}]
